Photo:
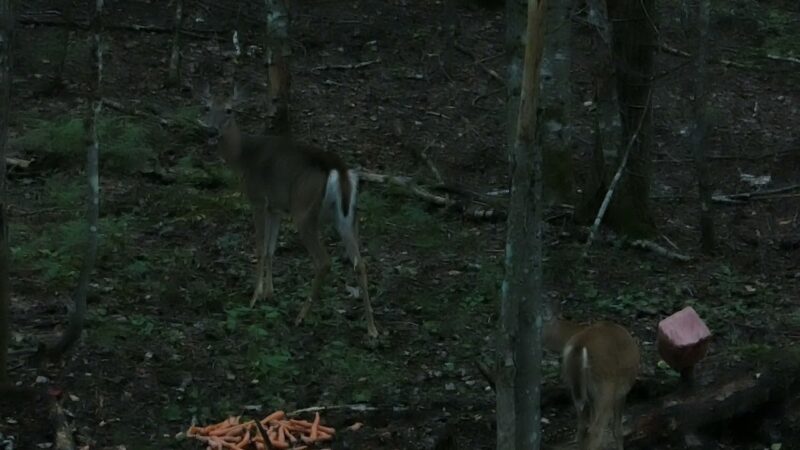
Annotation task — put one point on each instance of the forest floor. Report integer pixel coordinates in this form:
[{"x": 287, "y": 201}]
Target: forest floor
[{"x": 170, "y": 336}]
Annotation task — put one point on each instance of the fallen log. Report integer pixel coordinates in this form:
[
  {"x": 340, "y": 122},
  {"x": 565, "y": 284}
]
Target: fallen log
[{"x": 774, "y": 378}]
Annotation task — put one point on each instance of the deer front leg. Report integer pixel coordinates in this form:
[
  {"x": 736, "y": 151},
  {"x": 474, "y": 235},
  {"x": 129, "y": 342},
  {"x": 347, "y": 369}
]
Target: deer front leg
[
  {"x": 309, "y": 235},
  {"x": 259, "y": 220}
]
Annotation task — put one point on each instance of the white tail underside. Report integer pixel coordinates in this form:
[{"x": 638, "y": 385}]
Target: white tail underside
[{"x": 333, "y": 199}]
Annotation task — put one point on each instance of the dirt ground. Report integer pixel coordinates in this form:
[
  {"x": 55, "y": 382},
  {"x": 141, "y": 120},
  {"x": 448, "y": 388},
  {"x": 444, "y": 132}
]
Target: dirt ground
[{"x": 170, "y": 337}]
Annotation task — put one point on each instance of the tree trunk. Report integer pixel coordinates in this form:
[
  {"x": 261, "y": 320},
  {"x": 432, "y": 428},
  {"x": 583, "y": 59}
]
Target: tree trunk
[
  {"x": 6, "y": 27},
  {"x": 554, "y": 123},
  {"x": 78, "y": 316},
  {"x": 174, "y": 75},
  {"x": 278, "y": 52},
  {"x": 519, "y": 342},
  {"x": 607, "y": 125},
  {"x": 698, "y": 32},
  {"x": 634, "y": 42},
  {"x": 554, "y": 130}
]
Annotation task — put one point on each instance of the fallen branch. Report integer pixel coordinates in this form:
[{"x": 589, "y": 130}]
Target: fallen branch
[
  {"x": 789, "y": 59},
  {"x": 357, "y": 407},
  {"x": 16, "y": 162},
  {"x": 755, "y": 195},
  {"x": 775, "y": 380},
  {"x": 655, "y": 248},
  {"x": 408, "y": 184},
  {"x": 478, "y": 62},
  {"x": 117, "y": 106},
  {"x": 676, "y": 52},
  {"x": 346, "y": 66},
  {"x": 83, "y": 25}
]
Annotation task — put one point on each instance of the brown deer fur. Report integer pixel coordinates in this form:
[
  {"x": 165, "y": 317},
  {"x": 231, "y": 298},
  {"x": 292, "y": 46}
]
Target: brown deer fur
[
  {"x": 600, "y": 363},
  {"x": 283, "y": 177}
]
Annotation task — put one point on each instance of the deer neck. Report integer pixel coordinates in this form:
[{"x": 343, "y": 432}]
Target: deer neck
[{"x": 230, "y": 145}]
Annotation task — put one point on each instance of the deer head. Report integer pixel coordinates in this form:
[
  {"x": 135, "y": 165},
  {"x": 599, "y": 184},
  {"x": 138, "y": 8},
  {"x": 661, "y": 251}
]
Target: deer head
[{"x": 219, "y": 122}]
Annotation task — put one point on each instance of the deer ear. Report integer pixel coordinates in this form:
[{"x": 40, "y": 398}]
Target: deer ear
[{"x": 204, "y": 92}]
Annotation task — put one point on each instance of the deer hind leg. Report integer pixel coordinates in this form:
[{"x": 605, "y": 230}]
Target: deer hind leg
[
  {"x": 273, "y": 221},
  {"x": 616, "y": 428},
  {"x": 602, "y": 411},
  {"x": 349, "y": 235},
  {"x": 309, "y": 235},
  {"x": 260, "y": 222}
]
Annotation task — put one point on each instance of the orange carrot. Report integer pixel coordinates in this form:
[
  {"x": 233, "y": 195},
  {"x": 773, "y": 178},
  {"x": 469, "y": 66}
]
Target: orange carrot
[
  {"x": 315, "y": 427},
  {"x": 323, "y": 436},
  {"x": 277, "y": 415},
  {"x": 288, "y": 433},
  {"x": 300, "y": 423},
  {"x": 328, "y": 430}
]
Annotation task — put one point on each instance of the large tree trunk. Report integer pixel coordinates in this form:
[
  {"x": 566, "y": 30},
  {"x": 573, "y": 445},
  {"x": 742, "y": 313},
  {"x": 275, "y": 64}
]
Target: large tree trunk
[
  {"x": 519, "y": 343},
  {"x": 77, "y": 318},
  {"x": 278, "y": 51},
  {"x": 699, "y": 10},
  {"x": 6, "y": 27},
  {"x": 634, "y": 43}
]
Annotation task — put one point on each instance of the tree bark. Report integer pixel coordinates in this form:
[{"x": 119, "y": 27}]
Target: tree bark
[
  {"x": 554, "y": 123},
  {"x": 634, "y": 43},
  {"x": 78, "y": 316},
  {"x": 6, "y": 31},
  {"x": 698, "y": 32},
  {"x": 174, "y": 75},
  {"x": 278, "y": 52},
  {"x": 554, "y": 131},
  {"x": 519, "y": 335}
]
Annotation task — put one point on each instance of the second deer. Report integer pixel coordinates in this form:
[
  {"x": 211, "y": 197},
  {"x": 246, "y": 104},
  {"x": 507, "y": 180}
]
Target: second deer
[
  {"x": 283, "y": 177},
  {"x": 600, "y": 363}
]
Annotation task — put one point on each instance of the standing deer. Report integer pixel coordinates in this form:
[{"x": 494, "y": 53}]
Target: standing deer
[
  {"x": 284, "y": 177},
  {"x": 600, "y": 363}
]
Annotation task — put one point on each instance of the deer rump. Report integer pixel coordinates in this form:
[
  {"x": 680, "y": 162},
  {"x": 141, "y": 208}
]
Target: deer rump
[{"x": 599, "y": 367}]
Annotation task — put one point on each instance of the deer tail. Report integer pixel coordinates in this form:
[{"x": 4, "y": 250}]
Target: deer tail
[{"x": 341, "y": 191}]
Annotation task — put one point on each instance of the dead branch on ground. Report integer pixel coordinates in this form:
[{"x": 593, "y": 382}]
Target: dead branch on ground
[
  {"x": 408, "y": 185},
  {"x": 655, "y": 248},
  {"x": 346, "y": 66}
]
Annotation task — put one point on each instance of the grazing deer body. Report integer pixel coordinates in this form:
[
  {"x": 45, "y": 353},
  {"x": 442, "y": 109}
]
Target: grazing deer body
[
  {"x": 600, "y": 363},
  {"x": 282, "y": 177}
]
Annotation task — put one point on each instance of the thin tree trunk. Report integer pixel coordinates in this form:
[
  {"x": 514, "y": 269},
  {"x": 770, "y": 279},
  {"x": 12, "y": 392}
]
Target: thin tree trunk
[
  {"x": 78, "y": 316},
  {"x": 554, "y": 123},
  {"x": 519, "y": 341},
  {"x": 634, "y": 45},
  {"x": 278, "y": 52},
  {"x": 174, "y": 75},
  {"x": 6, "y": 30},
  {"x": 699, "y": 30}
]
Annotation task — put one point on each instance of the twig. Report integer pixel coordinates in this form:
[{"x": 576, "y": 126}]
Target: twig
[
  {"x": 614, "y": 181},
  {"x": 195, "y": 33},
  {"x": 117, "y": 106},
  {"x": 789, "y": 59},
  {"x": 762, "y": 194},
  {"x": 357, "y": 407},
  {"x": 346, "y": 66},
  {"x": 478, "y": 62},
  {"x": 666, "y": 48},
  {"x": 423, "y": 155},
  {"x": 653, "y": 247}
]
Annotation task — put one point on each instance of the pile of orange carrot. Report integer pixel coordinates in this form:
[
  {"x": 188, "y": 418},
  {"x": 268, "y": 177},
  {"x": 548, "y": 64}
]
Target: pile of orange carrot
[{"x": 282, "y": 433}]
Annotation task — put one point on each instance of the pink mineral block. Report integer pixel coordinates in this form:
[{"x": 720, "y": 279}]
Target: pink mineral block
[{"x": 683, "y": 339}]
